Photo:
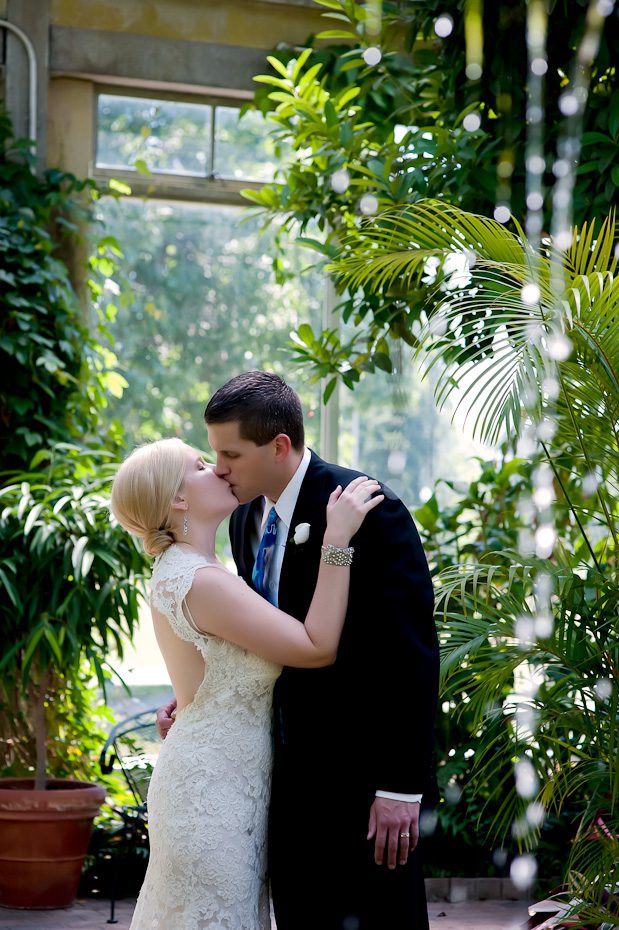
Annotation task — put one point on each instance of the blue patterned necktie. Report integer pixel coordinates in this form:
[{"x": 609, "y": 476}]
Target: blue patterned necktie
[{"x": 266, "y": 551}]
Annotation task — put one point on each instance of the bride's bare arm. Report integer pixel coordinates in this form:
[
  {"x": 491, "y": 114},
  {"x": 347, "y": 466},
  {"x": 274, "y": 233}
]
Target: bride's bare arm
[{"x": 222, "y": 604}]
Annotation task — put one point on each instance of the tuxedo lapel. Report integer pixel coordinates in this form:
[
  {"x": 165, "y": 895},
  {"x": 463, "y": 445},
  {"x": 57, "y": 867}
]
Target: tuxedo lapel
[
  {"x": 301, "y": 561},
  {"x": 242, "y": 540}
]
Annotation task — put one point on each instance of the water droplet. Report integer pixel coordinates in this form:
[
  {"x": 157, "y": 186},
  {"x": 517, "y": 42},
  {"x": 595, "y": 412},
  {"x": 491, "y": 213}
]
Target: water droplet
[
  {"x": 562, "y": 198},
  {"x": 505, "y": 168},
  {"x": 536, "y": 164},
  {"x": 525, "y": 628},
  {"x": 372, "y": 55},
  {"x": 472, "y": 122},
  {"x": 534, "y": 223},
  {"x": 427, "y": 823},
  {"x": 425, "y": 494},
  {"x": 560, "y": 168},
  {"x": 396, "y": 463},
  {"x": 351, "y": 923},
  {"x": 530, "y": 294},
  {"x": 543, "y": 587},
  {"x": 559, "y": 347},
  {"x": 544, "y": 625},
  {"x": 453, "y": 793},
  {"x": 543, "y": 498},
  {"x": 535, "y": 201},
  {"x": 340, "y": 181},
  {"x": 502, "y": 213},
  {"x": 563, "y": 239},
  {"x": 535, "y": 814},
  {"x": 568, "y": 104},
  {"x": 604, "y": 7},
  {"x": 589, "y": 483},
  {"x": 534, "y": 114},
  {"x": 588, "y": 49},
  {"x": 526, "y": 447},
  {"x": 527, "y": 781},
  {"x": 444, "y": 25},
  {"x": 526, "y": 545},
  {"x": 546, "y": 430},
  {"x": 368, "y": 204},
  {"x": 457, "y": 893},
  {"x": 550, "y": 387},
  {"x": 539, "y": 66},
  {"x": 499, "y": 857},
  {"x": 473, "y": 71},
  {"x": 545, "y": 538},
  {"x": 603, "y": 688},
  {"x": 523, "y": 871}
]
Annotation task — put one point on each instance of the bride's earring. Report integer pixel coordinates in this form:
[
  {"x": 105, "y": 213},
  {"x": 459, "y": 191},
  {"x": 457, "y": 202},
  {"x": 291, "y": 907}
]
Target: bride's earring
[{"x": 185, "y": 524}]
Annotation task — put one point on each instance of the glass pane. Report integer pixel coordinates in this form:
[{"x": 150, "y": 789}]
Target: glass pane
[
  {"x": 390, "y": 427},
  {"x": 168, "y": 136},
  {"x": 204, "y": 306},
  {"x": 244, "y": 148}
]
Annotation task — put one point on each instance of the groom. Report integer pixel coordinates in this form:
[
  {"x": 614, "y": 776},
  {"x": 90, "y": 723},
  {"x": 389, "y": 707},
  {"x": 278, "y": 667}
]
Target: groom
[{"x": 353, "y": 742}]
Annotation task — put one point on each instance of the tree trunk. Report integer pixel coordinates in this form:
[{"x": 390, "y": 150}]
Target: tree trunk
[{"x": 40, "y": 733}]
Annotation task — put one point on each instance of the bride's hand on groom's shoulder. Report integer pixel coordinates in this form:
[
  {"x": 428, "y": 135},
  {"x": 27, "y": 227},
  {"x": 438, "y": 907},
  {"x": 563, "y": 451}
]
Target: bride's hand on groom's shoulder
[
  {"x": 347, "y": 508},
  {"x": 165, "y": 718}
]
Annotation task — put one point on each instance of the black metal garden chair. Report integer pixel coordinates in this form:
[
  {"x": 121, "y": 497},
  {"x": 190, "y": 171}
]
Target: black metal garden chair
[{"x": 131, "y": 749}]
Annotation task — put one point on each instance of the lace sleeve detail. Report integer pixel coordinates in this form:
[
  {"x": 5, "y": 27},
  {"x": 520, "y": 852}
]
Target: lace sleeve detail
[{"x": 170, "y": 583}]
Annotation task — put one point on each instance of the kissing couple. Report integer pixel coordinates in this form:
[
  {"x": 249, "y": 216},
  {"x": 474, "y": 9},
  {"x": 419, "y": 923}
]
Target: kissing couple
[{"x": 300, "y": 743}]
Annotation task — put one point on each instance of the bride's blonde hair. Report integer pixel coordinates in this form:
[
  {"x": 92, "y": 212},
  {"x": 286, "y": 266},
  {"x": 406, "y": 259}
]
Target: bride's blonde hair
[{"x": 144, "y": 488}]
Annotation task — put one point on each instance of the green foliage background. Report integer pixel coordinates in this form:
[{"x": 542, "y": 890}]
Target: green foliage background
[{"x": 68, "y": 577}]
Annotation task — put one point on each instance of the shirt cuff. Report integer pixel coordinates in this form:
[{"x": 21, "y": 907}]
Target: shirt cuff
[{"x": 396, "y": 796}]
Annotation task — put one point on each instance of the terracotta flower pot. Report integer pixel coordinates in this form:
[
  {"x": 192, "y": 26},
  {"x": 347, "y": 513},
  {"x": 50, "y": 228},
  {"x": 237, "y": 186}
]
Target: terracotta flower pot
[{"x": 43, "y": 840}]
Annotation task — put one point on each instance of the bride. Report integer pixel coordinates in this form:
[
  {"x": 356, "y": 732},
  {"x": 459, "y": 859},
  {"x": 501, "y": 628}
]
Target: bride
[{"x": 223, "y": 645}]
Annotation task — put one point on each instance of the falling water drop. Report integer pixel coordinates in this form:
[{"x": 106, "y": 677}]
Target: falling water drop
[
  {"x": 523, "y": 871},
  {"x": 530, "y": 294},
  {"x": 472, "y": 122},
  {"x": 443, "y": 26},
  {"x": 502, "y": 213},
  {"x": 368, "y": 204},
  {"x": 372, "y": 55}
]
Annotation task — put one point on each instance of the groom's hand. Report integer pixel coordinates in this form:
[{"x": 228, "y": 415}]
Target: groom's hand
[
  {"x": 388, "y": 821},
  {"x": 165, "y": 718}
]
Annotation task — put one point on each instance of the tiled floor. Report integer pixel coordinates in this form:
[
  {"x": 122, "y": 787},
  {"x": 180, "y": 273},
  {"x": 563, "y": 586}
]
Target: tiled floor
[{"x": 91, "y": 914}]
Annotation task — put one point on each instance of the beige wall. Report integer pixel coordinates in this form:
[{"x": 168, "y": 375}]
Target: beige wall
[
  {"x": 187, "y": 46},
  {"x": 227, "y": 22}
]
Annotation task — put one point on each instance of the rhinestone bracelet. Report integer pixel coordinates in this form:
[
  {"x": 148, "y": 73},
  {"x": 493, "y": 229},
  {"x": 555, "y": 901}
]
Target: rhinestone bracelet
[{"x": 336, "y": 555}]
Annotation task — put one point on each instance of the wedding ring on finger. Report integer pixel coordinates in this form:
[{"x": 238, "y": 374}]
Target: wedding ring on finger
[{"x": 404, "y": 835}]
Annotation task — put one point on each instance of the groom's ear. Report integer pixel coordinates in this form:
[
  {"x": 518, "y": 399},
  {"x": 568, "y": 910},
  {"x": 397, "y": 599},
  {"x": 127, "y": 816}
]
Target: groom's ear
[{"x": 282, "y": 446}]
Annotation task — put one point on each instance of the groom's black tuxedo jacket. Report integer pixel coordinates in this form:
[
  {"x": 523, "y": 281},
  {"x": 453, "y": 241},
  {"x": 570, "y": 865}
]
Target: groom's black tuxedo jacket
[{"x": 368, "y": 720}]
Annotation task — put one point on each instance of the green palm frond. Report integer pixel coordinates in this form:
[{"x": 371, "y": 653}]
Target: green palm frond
[{"x": 479, "y": 335}]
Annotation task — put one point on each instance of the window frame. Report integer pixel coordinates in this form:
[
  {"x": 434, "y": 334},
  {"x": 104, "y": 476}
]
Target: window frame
[{"x": 162, "y": 186}]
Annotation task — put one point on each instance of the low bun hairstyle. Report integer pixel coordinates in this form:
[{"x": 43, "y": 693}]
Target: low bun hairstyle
[{"x": 144, "y": 488}]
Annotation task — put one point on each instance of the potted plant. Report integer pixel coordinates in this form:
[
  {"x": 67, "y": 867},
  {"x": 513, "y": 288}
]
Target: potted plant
[{"x": 70, "y": 596}]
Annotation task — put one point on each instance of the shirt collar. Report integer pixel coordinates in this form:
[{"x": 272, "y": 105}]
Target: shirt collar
[{"x": 287, "y": 500}]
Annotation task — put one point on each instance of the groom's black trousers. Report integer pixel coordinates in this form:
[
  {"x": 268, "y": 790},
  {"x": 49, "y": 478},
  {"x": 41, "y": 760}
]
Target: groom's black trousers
[{"x": 323, "y": 874}]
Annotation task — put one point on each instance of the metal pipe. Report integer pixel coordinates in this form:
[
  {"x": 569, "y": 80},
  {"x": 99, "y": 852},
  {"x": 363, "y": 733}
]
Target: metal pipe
[{"x": 32, "y": 76}]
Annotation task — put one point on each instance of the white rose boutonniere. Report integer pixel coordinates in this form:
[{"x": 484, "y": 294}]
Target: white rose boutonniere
[{"x": 301, "y": 534}]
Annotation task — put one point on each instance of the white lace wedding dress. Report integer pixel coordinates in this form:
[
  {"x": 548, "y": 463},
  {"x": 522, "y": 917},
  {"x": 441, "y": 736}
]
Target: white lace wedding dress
[{"x": 209, "y": 793}]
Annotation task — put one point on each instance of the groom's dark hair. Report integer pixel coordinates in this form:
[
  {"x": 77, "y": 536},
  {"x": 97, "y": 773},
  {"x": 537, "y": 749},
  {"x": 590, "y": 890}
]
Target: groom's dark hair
[{"x": 262, "y": 404}]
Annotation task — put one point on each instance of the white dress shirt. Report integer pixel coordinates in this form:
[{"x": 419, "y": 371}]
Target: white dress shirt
[{"x": 284, "y": 507}]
